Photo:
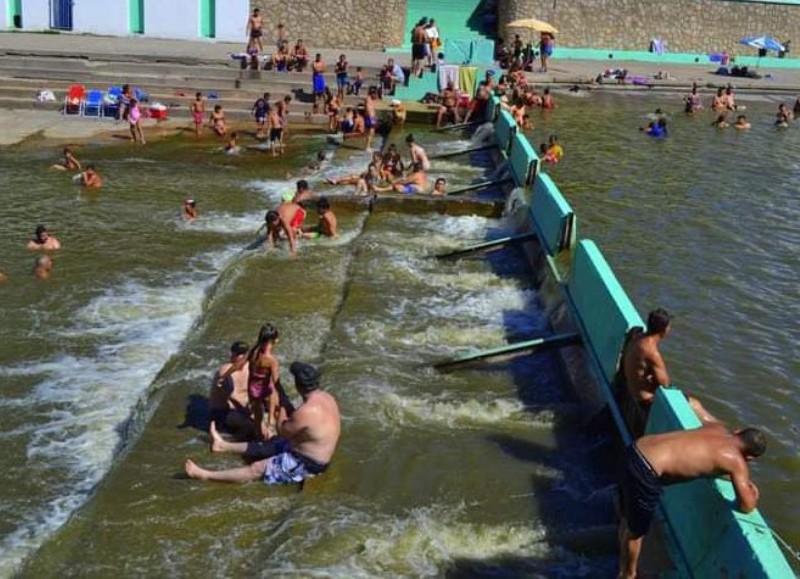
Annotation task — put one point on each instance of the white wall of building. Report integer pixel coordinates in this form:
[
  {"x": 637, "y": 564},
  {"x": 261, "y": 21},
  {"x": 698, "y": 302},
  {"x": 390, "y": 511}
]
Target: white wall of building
[
  {"x": 172, "y": 19},
  {"x": 4, "y": 23},
  {"x": 109, "y": 17},
  {"x": 231, "y": 19},
  {"x": 36, "y": 14}
]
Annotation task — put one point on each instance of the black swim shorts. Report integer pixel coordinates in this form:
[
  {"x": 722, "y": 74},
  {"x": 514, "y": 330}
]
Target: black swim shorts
[
  {"x": 417, "y": 51},
  {"x": 640, "y": 490}
]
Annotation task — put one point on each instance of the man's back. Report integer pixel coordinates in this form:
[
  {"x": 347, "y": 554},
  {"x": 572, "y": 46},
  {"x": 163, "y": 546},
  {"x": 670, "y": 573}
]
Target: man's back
[
  {"x": 318, "y": 424},
  {"x": 644, "y": 368}
]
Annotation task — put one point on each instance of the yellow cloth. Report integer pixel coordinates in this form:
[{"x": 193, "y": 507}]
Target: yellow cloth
[
  {"x": 467, "y": 77},
  {"x": 556, "y": 152}
]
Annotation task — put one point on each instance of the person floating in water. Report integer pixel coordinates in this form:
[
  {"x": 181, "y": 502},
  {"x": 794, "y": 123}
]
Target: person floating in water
[
  {"x": 327, "y": 225},
  {"x": 42, "y": 267},
  {"x": 232, "y": 148},
  {"x": 43, "y": 240},
  {"x": 228, "y": 401},
  {"x": 742, "y": 123},
  {"x": 656, "y": 129},
  {"x": 189, "y": 211},
  {"x": 70, "y": 162},
  {"x": 660, "y": 459},
  {"x": 306, "y": 442},
  {"x": 91, "y": 179},
  {"x": 721, "y": 122}
]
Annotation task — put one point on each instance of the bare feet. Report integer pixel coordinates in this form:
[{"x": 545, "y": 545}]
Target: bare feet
[
  {"x": 193, "y": 470},
  {"x": 217, "y": 442}
]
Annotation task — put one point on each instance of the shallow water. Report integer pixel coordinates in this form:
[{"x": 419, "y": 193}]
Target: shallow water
[{"x": 436, "y": 474}]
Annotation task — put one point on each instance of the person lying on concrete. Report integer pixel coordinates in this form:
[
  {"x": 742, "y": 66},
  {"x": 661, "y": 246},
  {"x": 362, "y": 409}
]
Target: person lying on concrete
[
  {"x": 416, "y": 182},
  {"x": 306, "y": 443},
  {"x": 657, "y": 460}
]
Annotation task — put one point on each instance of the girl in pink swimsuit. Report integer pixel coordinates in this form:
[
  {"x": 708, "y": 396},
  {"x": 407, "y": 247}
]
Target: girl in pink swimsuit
[{"x": 264, "y": 374}]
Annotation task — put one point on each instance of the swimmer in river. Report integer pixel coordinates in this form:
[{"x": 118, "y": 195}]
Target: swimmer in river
[
  {"x": 43, "y": 240},
  {"x": 228, "y": 400},
  {"x": 232, "y": 148},
  {"x": 42, "y": 267},
  {"x": 721, "y": 122},
  {"x": 416, "y": 182},
  {"x": 189, "y": 212},
  {"x": 656, "y": 129},
  {"x": 439, "y": 187},
  {"x": 783, "y": 116},
  {"x": 69, "y": 163},
  {"x": 555, "y": 152},
  {"x": 276, "y": 225},
  {"x": 327, "y": 226},
  {"x": 742, "y": 123},
  {"x": 91, "y": 179},
  {"x": 307, "y": 439}
]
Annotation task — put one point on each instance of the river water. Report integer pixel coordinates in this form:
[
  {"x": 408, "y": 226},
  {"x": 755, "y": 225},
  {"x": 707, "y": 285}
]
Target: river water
[{"x": 460, "y": 473}]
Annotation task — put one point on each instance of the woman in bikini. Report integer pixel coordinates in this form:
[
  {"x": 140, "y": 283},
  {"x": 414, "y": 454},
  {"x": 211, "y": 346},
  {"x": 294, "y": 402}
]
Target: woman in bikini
[{"x": 262, "y": 386}]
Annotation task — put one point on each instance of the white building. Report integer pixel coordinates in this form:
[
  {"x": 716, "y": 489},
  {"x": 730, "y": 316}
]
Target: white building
[{"x": 186, "y": 19}]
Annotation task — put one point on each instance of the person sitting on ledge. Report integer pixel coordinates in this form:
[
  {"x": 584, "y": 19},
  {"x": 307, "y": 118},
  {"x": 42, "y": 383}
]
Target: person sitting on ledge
[{"x": 306, "y": 443}]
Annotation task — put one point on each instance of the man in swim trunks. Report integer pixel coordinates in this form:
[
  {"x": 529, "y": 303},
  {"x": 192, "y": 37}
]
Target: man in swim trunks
[
  {"x": 327, "y": 225},
  {"x": 43, "y": 240},
  {"x": 306, "y": 443},
  {"x": 260, "y": 112},
  {"x": 661, "y": 459},
  {"x": 645, "y": 371},
  {"x": 293, "y": 215},
  {"x": 198, "y": 112},
  {"x": 418, "y": 40},
  {"x": 255, "y": 30},
  {"x": 449, "y": 100},
  {"x": 370, "y": 117},
  {"x": 227, "y": 400},
  {"x": 416, "y": 182}
]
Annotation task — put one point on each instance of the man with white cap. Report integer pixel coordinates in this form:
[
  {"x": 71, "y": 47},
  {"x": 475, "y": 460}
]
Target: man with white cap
[
  {"x": 399, "y": 112},
  {"x": 307, "y": 438}
]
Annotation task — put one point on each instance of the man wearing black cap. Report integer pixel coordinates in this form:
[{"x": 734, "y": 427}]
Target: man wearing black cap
[{"x": 307, "y": 438}]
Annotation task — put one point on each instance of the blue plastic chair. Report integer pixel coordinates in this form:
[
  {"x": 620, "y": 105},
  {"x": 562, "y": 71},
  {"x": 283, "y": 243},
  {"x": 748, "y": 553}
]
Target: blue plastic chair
[
  {"x": 140, "y": 95},
  {"x": 111, "y": 104},
  {"x": 93, "y": 106}
]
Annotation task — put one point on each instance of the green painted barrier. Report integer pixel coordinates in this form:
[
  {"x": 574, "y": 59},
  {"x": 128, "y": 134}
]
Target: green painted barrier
[
  {"x": 604, "y": 309},
  {"x": 715, "y": 539},
  {"x": 552, "y": 216},
  {"x": 523, "y": 160},
  {"x": 505, "y": 128}
]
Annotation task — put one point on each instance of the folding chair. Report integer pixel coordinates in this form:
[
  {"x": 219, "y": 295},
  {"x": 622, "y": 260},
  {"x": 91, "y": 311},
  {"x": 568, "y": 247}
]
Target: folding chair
[
  {"x": 93, "y": 105},
  {"x": 111, "y": 102},
  {"x": 73, "y": 101}
]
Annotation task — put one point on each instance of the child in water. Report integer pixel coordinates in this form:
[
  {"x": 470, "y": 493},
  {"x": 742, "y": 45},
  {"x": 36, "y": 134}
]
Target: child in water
[
  {"x": 232, "y": 148},
  {"x": 70, "y": 161},
  {"x": 656, "y": 129},
  {"x": 742, "y": 123},
  {"x": 189, "y": 209},
  {"x": 721, "y": 122}
]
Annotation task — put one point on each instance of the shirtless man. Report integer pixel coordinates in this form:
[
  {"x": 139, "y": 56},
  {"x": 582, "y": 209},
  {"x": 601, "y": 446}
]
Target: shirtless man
[
  {"x": 43, "y": 240},
  {"x": 327, "y": 225},
  {"x": 307, "y": 439},
  {"x": 292, "y": 215},
  {"x": 370, "y": 117},
  {"x": 418, "y": 47},
  {"x": 660, "y": 459},
  {"x": 275, "y": 226},
  {"x": 416, "y": 182},
  {"x": 645, "y": 371},
  {"x": 69, "y": 163},
  {"x": 227, "y": 400},
  {"x": 418, "y": 154},
  {"x": 91, "y": 179},
  {"x": 189, "y": 212},
  {"x": 42, "y": 267},
  {"x": 255, "y": 30},
  {"x": 440, "y": 187},
  {"x": 449, "y": 104}
]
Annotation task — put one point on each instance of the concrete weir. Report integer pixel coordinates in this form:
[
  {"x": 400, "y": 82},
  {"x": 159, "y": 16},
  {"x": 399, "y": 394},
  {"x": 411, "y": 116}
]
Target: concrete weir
[{"x": 703, "y": 534}]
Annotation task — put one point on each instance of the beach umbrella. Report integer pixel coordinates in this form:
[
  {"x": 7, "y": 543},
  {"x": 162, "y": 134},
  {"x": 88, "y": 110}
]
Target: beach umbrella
[
  {"x": 762, "y": 43},
  {"x": 533, "y": 24}
]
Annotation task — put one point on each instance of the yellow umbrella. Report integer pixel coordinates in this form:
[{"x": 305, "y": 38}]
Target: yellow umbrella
[{"x": 533, "y": 24}]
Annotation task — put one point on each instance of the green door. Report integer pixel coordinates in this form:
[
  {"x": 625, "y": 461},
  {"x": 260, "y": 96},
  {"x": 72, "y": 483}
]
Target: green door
[
  {"x": 207, "y": 18},
  {"x": 136, "y": 16},
  {"x": 15, "y": 13}
]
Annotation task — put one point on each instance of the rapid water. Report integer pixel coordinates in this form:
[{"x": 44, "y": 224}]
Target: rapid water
[{"x": 484, "y": 471}]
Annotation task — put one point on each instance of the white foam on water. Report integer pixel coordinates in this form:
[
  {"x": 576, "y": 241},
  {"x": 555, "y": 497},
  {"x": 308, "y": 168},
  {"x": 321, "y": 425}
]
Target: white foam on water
[
  {"x": 272, "y": 189},
  {"x": 84, "y": 400},
  {"x": 415, "y": 544},
  {"x": 465, "y": 414},
  {"x": 223, "y": 223}
]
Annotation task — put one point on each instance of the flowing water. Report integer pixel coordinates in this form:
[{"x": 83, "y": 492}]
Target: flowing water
[{"x": 470, "y": 472}]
